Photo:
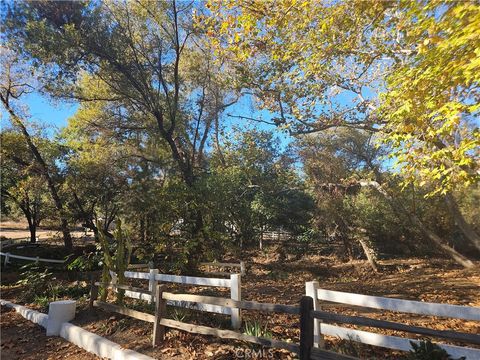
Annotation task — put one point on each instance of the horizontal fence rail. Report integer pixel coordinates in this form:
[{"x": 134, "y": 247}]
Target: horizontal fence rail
[
  {"x": 390, "y": 304},
  {"x": 392, "y": 342},
  {"x": 399, "y": 305},
  {"x": 229, "y": 334},
  {"x": 154, "y": 277},
  {"x": 35, "y": 259},
  {"x": 364, "y": 321},
  {"x": 243, "y": 304}
]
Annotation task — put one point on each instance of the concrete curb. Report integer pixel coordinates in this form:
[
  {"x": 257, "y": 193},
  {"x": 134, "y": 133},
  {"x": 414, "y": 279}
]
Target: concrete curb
[{"x": 82, "y": 338}]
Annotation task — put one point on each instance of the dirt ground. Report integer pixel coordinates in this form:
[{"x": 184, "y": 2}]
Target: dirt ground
[
  {"x": 22, "y": 339},
  {"x": 16, "y": 230},
  {"x": 272, "y": 279}
]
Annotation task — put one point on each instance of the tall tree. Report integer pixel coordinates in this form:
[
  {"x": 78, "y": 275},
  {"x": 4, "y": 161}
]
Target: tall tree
[
  {"x": 15, "y": 81},
  {"x": 22, "y": 183},
  {"x": 320, "y": 65},
  {"x": 150, "y": 59}
]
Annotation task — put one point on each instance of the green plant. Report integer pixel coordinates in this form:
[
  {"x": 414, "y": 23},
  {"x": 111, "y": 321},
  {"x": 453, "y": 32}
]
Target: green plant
[
  {"x": 116, "y": 257},
  {"x": 257, "y": 329},
  {"x": 42, "y": 301},
  {"x": 35, "y": 281},
  {"x": 426, "y": 350},
  {"x": 179, "y": 314},
  {"x": 86, "y": 262}
]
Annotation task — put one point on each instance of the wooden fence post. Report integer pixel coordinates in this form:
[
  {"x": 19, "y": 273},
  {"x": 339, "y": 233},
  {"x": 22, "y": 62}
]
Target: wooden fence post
[
  {"x": 93, "y": 292},
  {"x": 160, "y": 311},
  {"x": 152, "y": 284},
  {"x": 236, "y": 294},
  {"x": 242, "y": 268},
  {"x": 311, "y": 289},
  {"x": 306, "y": 328}
]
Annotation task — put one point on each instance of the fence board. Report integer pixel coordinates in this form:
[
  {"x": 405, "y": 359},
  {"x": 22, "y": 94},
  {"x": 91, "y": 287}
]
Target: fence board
[
  {"x": 185, "y": 304},
  {"x": 406, "y": 306},
  {"x": 229, "y": 334},
  {"x": 364, "y": 321},
  {"x": 125, "y": 311},
  {"x": 392, "y": 342},
  {"x": 242, "y": 304},
  {"x": 54, "y": 261},
  {"x": 193, "y": 280}
]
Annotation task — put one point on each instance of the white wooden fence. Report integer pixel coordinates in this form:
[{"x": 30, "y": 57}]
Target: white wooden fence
[
  {"x": 36, "y": 259},
  {"x": 376, "y": 302},
  {"x": 154, "y": 277}
]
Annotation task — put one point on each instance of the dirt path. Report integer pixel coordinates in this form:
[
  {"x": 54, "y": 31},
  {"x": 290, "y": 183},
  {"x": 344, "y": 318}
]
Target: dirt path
[
  {"x": 19, "y": 231},
  {"x": 22, "y": 339}
]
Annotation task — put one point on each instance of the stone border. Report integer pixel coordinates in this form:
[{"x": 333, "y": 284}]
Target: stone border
[{"x": 82, "y": 338}]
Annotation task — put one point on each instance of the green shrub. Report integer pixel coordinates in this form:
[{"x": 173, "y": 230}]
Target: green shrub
[{"x": 36, "y": 281}]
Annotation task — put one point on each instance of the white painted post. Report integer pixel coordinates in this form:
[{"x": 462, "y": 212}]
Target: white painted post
[
  {"x": 59, "y": 312},
  {"x": 242, "y": 268},
  {"x": 311, "y": 289},
  {"x": 236, "y": 294},
  {"x": 7, "y": 255},
  {"x": 38, "y": 260},
  {"x": 152, "y": 284}
]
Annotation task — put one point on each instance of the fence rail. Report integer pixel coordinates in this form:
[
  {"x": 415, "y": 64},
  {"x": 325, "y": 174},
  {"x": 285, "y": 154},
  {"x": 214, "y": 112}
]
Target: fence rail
[
  {"x": 37, "y": 259},
  {"x": 154, "y": 277},
  {"x": 399, "y": 305},
  {"x": 305, "y": 349}
]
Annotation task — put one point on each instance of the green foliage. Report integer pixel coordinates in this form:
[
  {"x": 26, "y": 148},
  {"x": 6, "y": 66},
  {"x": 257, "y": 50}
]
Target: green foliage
[
  {"x": 36, "y": 281},
  {"x": 426, "y": 350},
  {"x": 117, "y": 251},
  {"x": 87, "y": 262},
  {"x": 256, "y": 328}
]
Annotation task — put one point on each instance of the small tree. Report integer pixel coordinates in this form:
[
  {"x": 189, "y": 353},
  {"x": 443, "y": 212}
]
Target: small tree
[{"x": 117, "y": 250}]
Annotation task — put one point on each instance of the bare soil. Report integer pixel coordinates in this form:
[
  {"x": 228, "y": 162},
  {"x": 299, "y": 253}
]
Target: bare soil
[{"x": 22, "y": 339}]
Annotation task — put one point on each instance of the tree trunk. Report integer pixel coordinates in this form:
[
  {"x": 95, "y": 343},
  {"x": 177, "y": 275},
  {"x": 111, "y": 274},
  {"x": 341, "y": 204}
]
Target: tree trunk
[
  {"x": 437, "y": 240},
  {"x": 369, "y": 253},
  {"x": 33, "y": 230},
  {"x": 465, "y": 227}
]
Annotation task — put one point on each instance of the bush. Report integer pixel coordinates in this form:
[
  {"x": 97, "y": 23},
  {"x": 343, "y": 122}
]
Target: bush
[{"x": 36, "y": 281}]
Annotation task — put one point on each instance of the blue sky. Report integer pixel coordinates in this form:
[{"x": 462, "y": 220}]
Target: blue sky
[{"x": 51, "y": 115}]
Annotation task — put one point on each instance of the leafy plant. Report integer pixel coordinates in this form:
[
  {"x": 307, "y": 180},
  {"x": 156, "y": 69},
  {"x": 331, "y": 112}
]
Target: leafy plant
[
  {"x": 86, "y": 262},
  {"x": 35, "y": 281},
  {"x": 116, "y": 256},
  {"x": 426, "y": 350},
  {"x": 179, "y": 314},
  {"x": 257, "y": 329}
]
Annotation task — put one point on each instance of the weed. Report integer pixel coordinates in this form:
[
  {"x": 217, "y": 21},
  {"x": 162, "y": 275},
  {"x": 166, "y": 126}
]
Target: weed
[{"x": 257, "y": 329}]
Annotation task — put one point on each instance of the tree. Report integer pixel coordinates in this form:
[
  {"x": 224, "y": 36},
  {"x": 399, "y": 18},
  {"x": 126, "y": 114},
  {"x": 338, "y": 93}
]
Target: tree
[
  {"x": 431, "y": 103},
  {"x": 318, "y": 65},
  {"x": 340, "y": 164},
  {"x": 15, "y": 81},
  {"x": 21, "y": 183},
  {"x": 148, "y": 57}
]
